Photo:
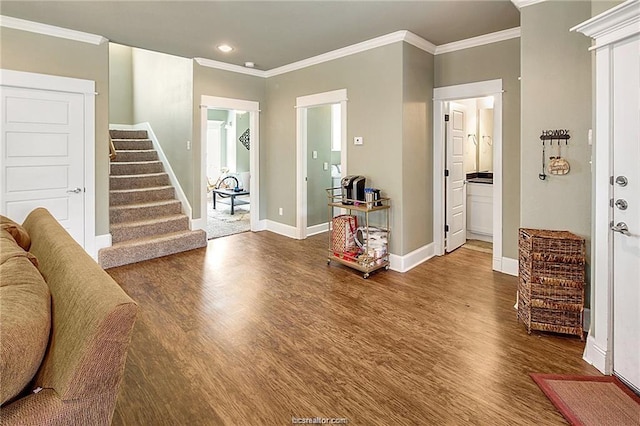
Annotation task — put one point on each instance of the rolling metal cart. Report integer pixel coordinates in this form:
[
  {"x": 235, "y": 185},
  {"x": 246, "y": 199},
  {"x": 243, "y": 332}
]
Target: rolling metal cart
[{"x": 362, "y": 246}]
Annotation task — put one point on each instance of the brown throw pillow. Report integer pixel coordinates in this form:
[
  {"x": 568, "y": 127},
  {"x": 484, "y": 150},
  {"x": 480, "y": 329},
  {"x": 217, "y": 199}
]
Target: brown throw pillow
[
  {"x": 17, "y": 232},
  {"x": 9, "y": 248}
]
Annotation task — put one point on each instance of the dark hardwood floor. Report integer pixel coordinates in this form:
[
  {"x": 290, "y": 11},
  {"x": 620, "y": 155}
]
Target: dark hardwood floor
[{"x": 256, "y": 329}]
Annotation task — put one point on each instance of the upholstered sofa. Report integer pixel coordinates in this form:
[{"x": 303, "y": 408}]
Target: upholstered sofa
[{"x": 68, "y": 338}]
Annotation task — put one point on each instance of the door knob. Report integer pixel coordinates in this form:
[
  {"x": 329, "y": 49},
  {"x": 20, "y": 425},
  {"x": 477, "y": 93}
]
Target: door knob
[
  {"x": 622, "y": 180},
  {"x": 74, "y": 190},
  {"x": 622, "y": 228},
  {"x": 621, "y": 204}
]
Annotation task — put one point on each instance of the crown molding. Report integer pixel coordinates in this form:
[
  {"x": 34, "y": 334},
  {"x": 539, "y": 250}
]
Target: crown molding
[
  {"x": 612, "y": 25},
  {"x": 338, "y": 53},
  {"x": 210, "y": 63},
  {"x": 419, "y": 42},
  {"x": 353, "y": 49},
  {"x": 50, "y": 30},
  {"x": 479, "y": 41},
  {"x": 524, "y": 3}
]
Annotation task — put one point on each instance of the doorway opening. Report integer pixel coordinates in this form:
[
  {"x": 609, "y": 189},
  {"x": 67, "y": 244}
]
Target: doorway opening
[
  {"x": 469, "y": 159},
  {"x": 228, "y": 172},
  {"x": 474, "y": 125},
  {"x": 321, "y": 157},
  {"x": 230, "y": 161}
]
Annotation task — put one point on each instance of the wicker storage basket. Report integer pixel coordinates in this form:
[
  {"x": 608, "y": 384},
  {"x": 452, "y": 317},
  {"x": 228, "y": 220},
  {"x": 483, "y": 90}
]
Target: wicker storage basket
[{"x": 551, "y": 281}]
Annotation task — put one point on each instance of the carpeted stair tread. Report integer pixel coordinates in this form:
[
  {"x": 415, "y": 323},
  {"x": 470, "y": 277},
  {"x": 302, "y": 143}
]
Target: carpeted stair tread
[
  {"x": 135, "y": 167},
  {"x": 132, "y": 144},
  {"x": 128, "y": 134},
  {"x": 129, "y": 155},
  {"x": 119, "y": 197},
  {"x": 142, "y": 211},
  {"x": 148, "y": 227},
  {"x": 141, "y": 249},
  {"x": 149, "y": 180}
]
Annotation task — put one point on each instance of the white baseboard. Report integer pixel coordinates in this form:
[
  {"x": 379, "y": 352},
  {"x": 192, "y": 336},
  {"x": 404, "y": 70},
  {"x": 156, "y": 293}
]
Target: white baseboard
[
  {"x": 198, "y": 224},
  {"x": 596, "y": 355},
  {"x": 102, "y": 241},
  {"x": 260, "y": 226},
  {"x": 317, "y": 229},
  {"x": 411, "y": 260},
  {"x": 481, "y": 237},
  {"x": 282, "y": 229},
  {"x": 509, "y": 266}
]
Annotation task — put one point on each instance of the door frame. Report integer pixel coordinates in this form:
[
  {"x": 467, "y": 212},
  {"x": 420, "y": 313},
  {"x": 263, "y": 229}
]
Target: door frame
[
  {"x": 608, "y": 28},
  {"x": 86, "y": 88},
  {"x": 253, "y": 108},
  {"x": 303, "y": 103},
  {"x": 454, "y": 93}
]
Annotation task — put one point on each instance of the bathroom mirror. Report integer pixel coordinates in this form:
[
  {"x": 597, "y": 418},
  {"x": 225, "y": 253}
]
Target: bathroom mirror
[
  {"x": 484, "y": 154},
  {"x": 477, "y": 131}
]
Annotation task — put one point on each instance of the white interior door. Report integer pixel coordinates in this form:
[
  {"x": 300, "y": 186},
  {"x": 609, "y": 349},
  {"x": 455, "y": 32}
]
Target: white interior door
[
  {"x": 626, "y": 211},
  {"x": 43, "y": 156},
  {"x": 455, "y": 182}
]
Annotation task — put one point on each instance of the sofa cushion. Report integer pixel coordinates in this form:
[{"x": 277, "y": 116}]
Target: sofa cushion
[
  {"x": 25, "y": 313},
  {"x": 17, "y": 232}
]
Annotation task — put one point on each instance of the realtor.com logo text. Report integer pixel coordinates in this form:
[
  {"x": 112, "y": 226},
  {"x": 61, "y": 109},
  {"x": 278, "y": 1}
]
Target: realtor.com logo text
[{"x": 319, "y": 420}]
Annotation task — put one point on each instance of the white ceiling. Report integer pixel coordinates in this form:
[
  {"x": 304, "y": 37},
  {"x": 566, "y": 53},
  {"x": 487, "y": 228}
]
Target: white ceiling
[{"x": 268, "y": 33}]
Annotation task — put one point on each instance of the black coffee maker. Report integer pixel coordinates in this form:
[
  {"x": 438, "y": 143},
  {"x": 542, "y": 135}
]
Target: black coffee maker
[{"x": 353, "y": 189}]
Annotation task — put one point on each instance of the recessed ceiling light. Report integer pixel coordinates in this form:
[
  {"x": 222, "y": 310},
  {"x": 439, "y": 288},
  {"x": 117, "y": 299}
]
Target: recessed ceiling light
[
  {"x": 225, "y": 48},
  {"x": 249, "y": 64}
]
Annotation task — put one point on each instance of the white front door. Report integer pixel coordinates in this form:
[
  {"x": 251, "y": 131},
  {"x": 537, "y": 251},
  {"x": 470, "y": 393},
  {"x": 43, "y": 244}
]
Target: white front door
[
  {"x": 455, "y": 186},
  {"x": 42, "y": 156},
  {"x": 626, "y": 212}
]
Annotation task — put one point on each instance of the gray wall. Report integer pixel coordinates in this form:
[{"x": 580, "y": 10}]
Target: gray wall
[
  {"x": 163, "y": 96},
  {"x": 556, "y": 97},
  {"x": 489, "y": 62},
  {"x": 373, "y": 80},
  {"x": 120, "y": 84},
  {"x": 417, "y": 149},
  {"x": 242, "y": 153},
  {"x": 214, "y": 82},
  {"x": 67, "y": 58},
  {"x": 556, "y": 94},
  {"x": 318, "y": 179}
]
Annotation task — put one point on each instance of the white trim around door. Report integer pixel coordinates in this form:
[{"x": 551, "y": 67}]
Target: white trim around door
[
  {"x": 253, "y": 108},
  {"x": 302, "y": 104},
  {"x": 453, "y": 93},
  {"x": 86, "y": 88}
]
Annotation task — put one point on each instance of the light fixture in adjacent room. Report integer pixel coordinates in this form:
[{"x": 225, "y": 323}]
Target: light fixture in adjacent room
[{"x": 225, "y": 48}]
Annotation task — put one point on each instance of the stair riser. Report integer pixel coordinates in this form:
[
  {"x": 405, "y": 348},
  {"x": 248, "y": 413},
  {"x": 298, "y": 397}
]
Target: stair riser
[
  {"x": 129, "y": 156},
  {"x": 111, "y": 257},
  {"x": 138, "y": 182},
  {"x": 134, "y": 197},
  {"x": 132, "y": 144},
  {"x": 128, "y": 134},
  {"x": 118, "y": 169},
  {"x": 138, "y": 212},
  {"x": 119, "y": 235}
]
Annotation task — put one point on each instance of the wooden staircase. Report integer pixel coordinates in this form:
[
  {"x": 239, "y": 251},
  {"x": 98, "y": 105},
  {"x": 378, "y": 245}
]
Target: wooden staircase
[{"x": 146, "y": 220}]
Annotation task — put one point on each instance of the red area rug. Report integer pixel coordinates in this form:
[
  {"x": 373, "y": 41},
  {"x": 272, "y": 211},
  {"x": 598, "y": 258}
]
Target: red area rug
[{"x": 591, "y": 400}]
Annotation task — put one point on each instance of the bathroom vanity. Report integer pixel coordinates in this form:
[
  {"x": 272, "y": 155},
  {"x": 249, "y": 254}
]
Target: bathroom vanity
[{"x": 480, "y": 206}]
